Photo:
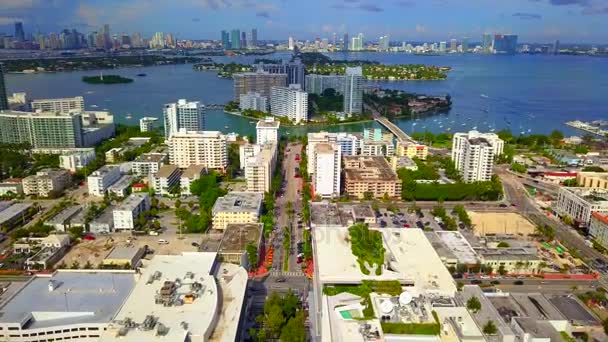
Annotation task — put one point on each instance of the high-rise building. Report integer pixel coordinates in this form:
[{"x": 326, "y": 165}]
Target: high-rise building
[
  {"x": 345, "y": 42},
  {"x": 473, "y": 154},
  {"x": 107, "y": 40},
  {"x": 183, "y": 115},
  {"x": 442, "y": 47},
  {"x": 254, "y": 37},
  {"x": 253, "y": 101},
  {"x": 556, "y": 47},
  {"x": 62, "y": 106},
  {"x": 41, "y": 130},
  {"x": 243, "y": 40},
  {"x": 291, "y": 43},
  {"x": 465, "y": 44},
  {"x": 146, "y": 124},
  {"x": 158, "y": 41},
  {"x": 258, "y": 82},
  {"x": 383, "y": 44},
  {"x": 19, "y": 32},
  {"x": 317, "y": 84},
  {"x": 225, "y": 39},
  {"x": 348, "y": 143},
  {"x": 259, "y": 168},
  {"x": 505, "y": 44},
  {"x": 334, "y": 41},
  {"x": 290, "y": 102},
  {"x": 296, "y": 73},
  {"x": 361, "y": 42},
  {"x": 487, "y": 43},
  {"x": 136, "y": 40},
  {"x": 453, "y": 45},
  {"x": 328, "y": 169},
  {"x": 206, "y": 148},
  {"x": 235, "y": 39},
  {"x": 267, "y": 130},
  {"x": 3, "y": 96},
  {"x": 353, "y": 90}
]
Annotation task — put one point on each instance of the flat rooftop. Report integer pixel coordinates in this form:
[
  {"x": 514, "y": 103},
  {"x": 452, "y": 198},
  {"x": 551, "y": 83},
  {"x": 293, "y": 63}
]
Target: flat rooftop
[
  {"x": 132, "y": 202},
  {"x": 64, "y": 215},
  {"x": 268, "y": 123},
  {"x": 500, "y": 224},
  {"x": 409, "y": 258},
  {"x": 368, "y": 168},
  {"x": 340, "y": 215},
  {"x": 193, "y": 171},
  {"x": 572, "y": 309},
  {"x": 104, "y": 170},
  {"x": 237, "y": 236},
  {"x": 236, "y": 201},
  {"x": 122, "y": 183},
  {"x": 510, "y": 253},
  {"x": 79, "y": 297},
  {"x": 459, "y": 246},
  {"x": 151, "y": 158},
  {"x": 166, "y": 171},
  {"x": 14, "y": 210},
  {"x": 589, "y": 194}
]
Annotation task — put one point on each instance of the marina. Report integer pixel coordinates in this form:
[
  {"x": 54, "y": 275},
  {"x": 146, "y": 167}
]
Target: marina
[{"x": 589, "y": 127}]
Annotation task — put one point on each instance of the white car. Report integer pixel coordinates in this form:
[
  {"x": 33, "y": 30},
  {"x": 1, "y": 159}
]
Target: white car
[{"x": 163, "y": 242}]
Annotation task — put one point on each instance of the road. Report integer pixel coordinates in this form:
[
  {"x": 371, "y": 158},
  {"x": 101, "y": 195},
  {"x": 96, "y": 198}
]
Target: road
[{"x": 516, "y": 193}]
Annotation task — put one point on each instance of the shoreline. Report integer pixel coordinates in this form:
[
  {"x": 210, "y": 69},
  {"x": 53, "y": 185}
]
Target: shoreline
[{"x": 308, "y": 124}]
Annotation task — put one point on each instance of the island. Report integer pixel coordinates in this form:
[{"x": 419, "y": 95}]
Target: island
[
  {"x": 106, "y": 79},
  {"x": 399, "y": 104},
  {"x": 317, "y": 63}
]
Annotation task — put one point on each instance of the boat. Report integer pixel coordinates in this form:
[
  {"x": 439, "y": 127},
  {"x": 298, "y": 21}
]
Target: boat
[
  {"x": 484, "y": 96},
  {"x": 128, "y": 116},
  {"x": 475, "y": 127},
  {"x": 94, "y": 106},
  {"x": 142, "y": 75},
  {"x": 89, "y": 92},
  {"x": 492, "y": 130},
  {"x": 464, "y": 124},
  {"x": 226, "y": 126}
]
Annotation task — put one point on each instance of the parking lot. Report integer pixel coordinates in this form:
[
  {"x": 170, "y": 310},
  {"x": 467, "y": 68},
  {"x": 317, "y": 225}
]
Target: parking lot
[{"x": 401, "y": 219}]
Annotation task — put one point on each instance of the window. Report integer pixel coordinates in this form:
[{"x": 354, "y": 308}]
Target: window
[{"x": 93, "y": 328}]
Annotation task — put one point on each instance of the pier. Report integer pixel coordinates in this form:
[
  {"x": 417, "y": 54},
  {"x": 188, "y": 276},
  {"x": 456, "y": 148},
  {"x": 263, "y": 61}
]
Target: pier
[{"x": 587, "y": 127}]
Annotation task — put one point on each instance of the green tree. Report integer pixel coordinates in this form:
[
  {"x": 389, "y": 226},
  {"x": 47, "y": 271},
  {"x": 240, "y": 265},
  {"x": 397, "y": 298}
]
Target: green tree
[
  {"x": 473, "y": 304},
  {"x": 75, "y": 232},
  {"x": 490, "y": 328},
  {"x": 252, "y": 255},
  {"x": 274, "y": 320},
  {"x": 501, "y": 270},
  {"x": 294, "y": 330},
  {"x": 605, "y": 325},
  {"x": 503, "y": 244},
  {"x": 556, "y": 137}
]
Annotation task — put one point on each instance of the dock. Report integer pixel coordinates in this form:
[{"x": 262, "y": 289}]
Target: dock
[{"x": 587, "y": 127}]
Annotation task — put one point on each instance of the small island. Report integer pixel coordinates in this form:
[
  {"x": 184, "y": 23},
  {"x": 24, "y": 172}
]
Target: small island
[{"x": 106, "y": 79}]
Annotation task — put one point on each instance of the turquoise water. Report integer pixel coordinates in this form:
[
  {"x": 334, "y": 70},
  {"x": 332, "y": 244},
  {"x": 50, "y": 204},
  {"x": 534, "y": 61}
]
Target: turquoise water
[{"x": 531, "y": 94}]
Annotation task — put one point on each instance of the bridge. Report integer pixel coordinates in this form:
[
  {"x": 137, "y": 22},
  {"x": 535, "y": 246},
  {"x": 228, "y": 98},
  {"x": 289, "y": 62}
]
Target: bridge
[{"x": 397, "y": 132}]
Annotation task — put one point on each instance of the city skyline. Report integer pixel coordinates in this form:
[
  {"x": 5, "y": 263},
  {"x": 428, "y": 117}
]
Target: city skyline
[{"x": 577, "y": 21}]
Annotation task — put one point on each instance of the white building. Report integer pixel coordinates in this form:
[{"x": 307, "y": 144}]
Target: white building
[
  {"x": 76, "y": 160},
  {"x": 580, "y": 203},
  {"x": 148, "y": 163},
  {"x": 259, "y": 169},
  {"x": 290, "y": 102},
  {"x": 353, "y": 90},
  {"x": 317, "y": 84},
  {"x": 253, "y": 101},
  {"x": 166, "y": 180},
  {"x": 206, "y": 148},
  {"x": 267, "y": 130},
  {"x": 328, "y": 168},
  {"x": 473, "y": 155},
  {"x": 247, "y": 151},
  {"x": 46, "y": 183},
  {"x": 183, "y": 115},
  {"x": 101, "y": 179},
  {"x": 349, "y": 144},
  {"x": 146, "y": 124},
  {"x": 598, "y": 228},
  {"x": 63, "y": 105},
  {"x": 125, "y": 214},
  {"x": 192, "y": 173}
]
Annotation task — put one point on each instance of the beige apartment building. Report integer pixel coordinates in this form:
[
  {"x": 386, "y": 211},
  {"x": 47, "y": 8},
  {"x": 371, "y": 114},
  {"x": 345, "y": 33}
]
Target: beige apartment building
[
  {"x": 46, "y": 183},
  {"x": 408, "y": 149},
  {"x": 206, "y": 148},
  {"x": 237, "y": 208},
  {"x": 370, "y": 176},
  {"x": 259, "y": 82},
  {"x": 259, "y": 168},
  {"x": 592, "y": 180}
]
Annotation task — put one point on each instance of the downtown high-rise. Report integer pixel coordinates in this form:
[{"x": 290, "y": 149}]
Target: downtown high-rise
[
  {"x": 235, "y": 39},
  {"x": 183, "y": 115},
  {"x": 3, "y": 96},
  {"x": 353, "y": 90}
]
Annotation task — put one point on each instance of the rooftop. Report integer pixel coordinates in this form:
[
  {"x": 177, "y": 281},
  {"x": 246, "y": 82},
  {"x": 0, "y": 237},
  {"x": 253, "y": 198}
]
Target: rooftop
[
  {"x": 151, "y": 158},
  {"x": 78, "y": 297},
  {"x": 14, "y": 210},
  {"x": 122, "y": 183},
  {"x": 104, "y": 170},
  {"x": 166, "y": 171},
  {"x": 239, "y": 202},
  {"x": 409, "y": 258},
  {"x": 64, "y": 215},
  {"x": 340, "y": 215},
  {"x": 459, "y": 246},
  {"x": 368, "y": 168},
  {"x": 268, "y": 123},
  {"x": 511, "y": 253},
  {"x": 193, "y": 171},
  {"x": 589, "y": 194},
  {"x": 237, "y": 236},
  {"x": 132, "y": 201},
  {"x": 127, "y": 253}
]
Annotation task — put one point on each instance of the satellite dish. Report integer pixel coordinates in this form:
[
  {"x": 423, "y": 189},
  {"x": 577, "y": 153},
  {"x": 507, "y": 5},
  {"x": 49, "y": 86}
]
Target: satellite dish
[
  {"x": 405, "y": 298},
  {"x": 386, "y": 306}
]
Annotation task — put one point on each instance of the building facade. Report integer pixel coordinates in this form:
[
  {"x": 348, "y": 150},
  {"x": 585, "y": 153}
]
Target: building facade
[
  {"x": 237, "y": 208},
  {"x": 473, "y": 154},
  {"x": 260, "y": 167},
  {"x": 258, "y": 82},
  {"x": 166, "y": 181},
  {"x": 580, "y": 203},
  {"x": 411, "y": 150},
  {"x": 41, "y": 130},
  {"x": 328, "y": 170},
  {"x": 597, "y": 180},
  {"x": 76, "y": 160},
  {"x": 598, "y": 228},
  {"x": 146, "y": 124},
  {"x": 101, "y": 179},
  {"x": 191, "y": 174},
  {"x": 253, "y": 101},
  {"x": 183, "y": 115},
  {"x": 62, "y": 105},
  {"x": 148, "y": 163},
  {"x": 267, "y": 130},
  {"x": 349, "y": 145},
  {"x": 3, "y": 94},
  {"x": 317, "y": 84},
  {"x": 125, "y": 214},
  {"x": 370, "y": 177},
  {"x": 46, "y": 183},
  {"x": 289, "y": 102},
  {"x": 353, "y": 90},
  {"x": 208, "y": 149}
]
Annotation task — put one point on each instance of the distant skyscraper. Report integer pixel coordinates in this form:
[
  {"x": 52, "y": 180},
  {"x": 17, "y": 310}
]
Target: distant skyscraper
[
  {"x": 243, "y": 40},
  {"x": 465, "y": 44},
  {"x": 383, "y": 43},
  {"x": 361, "y": 42},
  {"x": 453, "y": 45},
  {"x": 487, "y": 43},
  {"x": 335, "y": 37},
  {"x": 235, "y": 39},
  {"x": 107, "y": 41},
  {"x": 158, "y": 41},
  {"x": 442, "y": 47},
  {"x": 19, "y": 33},
  {"x": 345, "y": 42},
  {"x": 3, "y": 98},
  {"x": 254, "y": 37},
  {"x": 505, "y": 44},
  {"x": 291, "y": 43},
  {"x": 556, "y": 48},
  {"x": 226, "y": 40},
  {"x": 353, "y": 90}
]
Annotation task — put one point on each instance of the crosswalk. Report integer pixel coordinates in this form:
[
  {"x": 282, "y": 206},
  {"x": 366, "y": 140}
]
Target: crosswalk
[{"x": 286, "y": 274}]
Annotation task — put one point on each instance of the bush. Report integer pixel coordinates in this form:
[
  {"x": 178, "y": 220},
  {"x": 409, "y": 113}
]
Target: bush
[
  {"x": 473, "y": 304},
  {"x": 411, "y": 328},
  {"x": 367, "y": 246}
]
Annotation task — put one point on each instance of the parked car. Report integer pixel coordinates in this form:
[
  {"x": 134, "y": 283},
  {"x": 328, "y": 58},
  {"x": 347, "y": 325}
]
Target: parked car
[
  {"x": 163, "y": 242},
  {"x": 88, "y": 237},
  {"x": 518, "y": 282}
]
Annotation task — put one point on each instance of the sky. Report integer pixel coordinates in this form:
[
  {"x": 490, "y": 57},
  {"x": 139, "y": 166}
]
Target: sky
[{"x": 574, "y": 21}]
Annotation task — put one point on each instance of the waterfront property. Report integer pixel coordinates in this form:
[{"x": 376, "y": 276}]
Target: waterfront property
[{"x": 206, "y": 148}]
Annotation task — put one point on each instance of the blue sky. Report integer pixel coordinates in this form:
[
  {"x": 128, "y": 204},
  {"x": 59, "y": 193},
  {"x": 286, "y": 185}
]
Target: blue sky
[{"x": 412, "y": 20}]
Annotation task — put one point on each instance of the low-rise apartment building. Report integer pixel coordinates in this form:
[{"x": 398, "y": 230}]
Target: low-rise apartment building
[
  {"x": 370, "y": 177},
  {"x": 579, "y": 203},
  {"x": 77, "y": 159},
  {"x": 192, "y": 173},
  {"x": 101, "y": 179},
  {"x": 46, "y": 183},
  {"x": 148, "y": 163},
  {"x": 237, "y": 207},
  {"x": 125, "y": 214},
  {"x": 592, "y": 180},
  {"x": 412, "y": 150},
  {"x": 598, "y": 228},
  {"x": 11, "y": 186},
  {"x": 233, "y": 247},
  {"x": 206, "y": 148},
  {"x": 166, "y": 181}
]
